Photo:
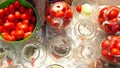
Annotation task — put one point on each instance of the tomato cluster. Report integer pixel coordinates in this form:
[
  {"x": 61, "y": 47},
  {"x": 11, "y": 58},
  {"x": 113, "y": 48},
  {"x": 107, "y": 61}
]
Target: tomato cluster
[
  {"x": 109, "y": 19},
  {"x": 17, "y": 22},
  {"x": 111, "y": 48},
  {"x": 59, "y": 14}
]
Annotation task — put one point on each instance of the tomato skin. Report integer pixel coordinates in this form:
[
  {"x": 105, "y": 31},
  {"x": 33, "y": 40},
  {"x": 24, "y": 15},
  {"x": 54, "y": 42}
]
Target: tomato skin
[
  {"x": 29, "y": 11},
  {"x": 24, "y": 16},
  {"x": 78, "y": 8},
  {"x": 26, "y": 22},
  {"x": 31, "y": 27},
  {"x": 113, "y": 13},
  {"x": 11, "y": 8},
  {"x": 33, "y": 19},
  {"x": 1, "y": 28},
  {"x": 1, "y": 13},
  {"x": 22, "y": 9},
  {"x": 27, "y": 34},
  {"x": 6, "y": 10},
  {"x": 115, "y": 51},
  {"x": 23, "y": 27},
  {"x": 1, "y": 22},
  {"x": 107, "y": 55},
  {"x": 105, "y": 44},
  {"x": 6, "y": 36},
  {"x": 19, "y": 34},
  {"x": 11, "y": 17},
  {"x": 9, "y": 26},
  {"x": 17, "y": 14},
  {"x": 17, "y": 4}
]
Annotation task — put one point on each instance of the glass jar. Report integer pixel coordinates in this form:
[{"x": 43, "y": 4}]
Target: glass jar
[
  {"x": 110, "y": 50},
  {"x": 60, "y": 47},
  {"x": 59, "y": 14},
  {"x": 7, "y": 54},
  {"x": 87, "y": 52},
  {"x": 85, "y": 29},
  {"x": 55, "y": 66},
  {"x": 85, "y": 9},
  {"x": 109, "y": 18}
]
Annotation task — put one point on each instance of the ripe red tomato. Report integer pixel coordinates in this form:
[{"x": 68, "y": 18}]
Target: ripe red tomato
[
  {"x": 1, "y": 28},
  {"x": 27, "y": 34},
  {"x": 1, "y": 22},
  {"x": 105, "y": 44},
  {"x": 68, "y": 15},
  {"x": 17, "y": 14},
  {"x": 115, "y": 28},
  {"x": 117, "y": 45},
  {"x": 103, "y": 11},
  {"x": 113, "y": 13},
  {"x": 26, "y": 22},
  {"x": 33, "y": 19},
  {"x": 19, "y": 34},
  {"x": 11, "y": 8},
  {"x": 31, "y": 27},
  {"x": 115, "y": 51},
  {"x": 22, "y": 9},
  {"x": 107, "y": 55},
  {"x": 23, "y": 27},
  {"x": 11, "y": 17},
  {"x": 29, "y": 11},
  {"x": 1, "y": 13},
  {"x": 6, "y": 10},
  {"x": 6, "y": 36},
  {"x": 24, "y": 16},
  {"x": 78, "y": 8},
  {"x": 59, "y": 14},
  {"x": 17, "y": 4},
  {"x": 9, "y": 26},
  {"x": 48, "y": 18}
]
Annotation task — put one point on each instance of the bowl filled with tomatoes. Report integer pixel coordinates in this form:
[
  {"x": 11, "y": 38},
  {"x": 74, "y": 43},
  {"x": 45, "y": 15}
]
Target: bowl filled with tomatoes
[{"x": 18, "y": 20}]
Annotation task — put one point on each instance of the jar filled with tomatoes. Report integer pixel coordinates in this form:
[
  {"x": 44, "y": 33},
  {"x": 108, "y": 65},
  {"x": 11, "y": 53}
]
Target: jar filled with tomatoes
[
  {"x": 109, "y": 18},
  {"x": 59, "y": 14},
  {"x": 111, "y": 49}
]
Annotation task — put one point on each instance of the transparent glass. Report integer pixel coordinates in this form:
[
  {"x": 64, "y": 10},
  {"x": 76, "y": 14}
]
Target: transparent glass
[
  {"x": 88, "y": 9},
  {"x": 60, "y": 46},
  {"x": 55, "y": 66},
  {"x": 7, "y": 54},
  {"x": 87, "y": 52},
  {"x": 85, "y": 29}
]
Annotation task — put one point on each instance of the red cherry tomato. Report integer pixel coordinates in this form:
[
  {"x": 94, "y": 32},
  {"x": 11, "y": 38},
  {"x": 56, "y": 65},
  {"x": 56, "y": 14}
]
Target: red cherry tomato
[
  {"x": 33, "y": 19},
  {"x": 9, "y": 26},
  {"x": 11, "y": 17},
  {"x": 31, "y": 27},
  {"x": 22, "y": 9},
  {"x": 115, "y": 51},
  {"x": 1, "y": 28},
  {"x": 26, "y": 22},
  {"x": 117, "y": 45},
  {"x": 24, "y": 16},
  {"x": 48, "y": 18},
  {"x": 78, "y": 8},
  {"x": 107, "y": 55},
  {"x": 17, "y": 14},
  {"x": 68, "y": 15},
  {"x": 59, "y": 14},
  {"x": 6, "y": 10},
  {"x": 27, "y": 34},
  {"x": 115, "y": 28},
  {"x": 105, "y": 44},
  {"x": 1, "y": 13},
  {"x": 113, "y": 13},
  {"x": 19, "y": 34},
  {"x": 29, "y": 11},
  {"x": 1, "y": 22},
  {"x": 103, "y": 12},
  {"x": 11, "y": 8},
  {"x": 17, "y": 4},
  {"x": 6, "y": 36},
  {"x": 23, "y": 27}
]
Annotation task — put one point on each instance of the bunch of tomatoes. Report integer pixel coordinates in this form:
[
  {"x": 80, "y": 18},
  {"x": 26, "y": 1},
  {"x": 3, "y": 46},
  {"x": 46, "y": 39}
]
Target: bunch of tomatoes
[
  {"x": 17, "y": 22},
  {"x": 59, "y": 14},
  {"x": 109, "y": 20}
]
